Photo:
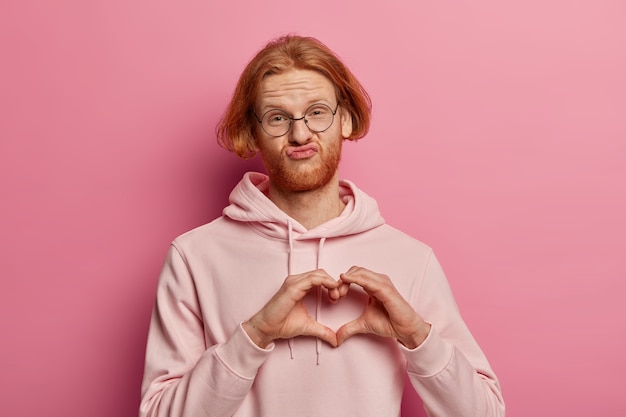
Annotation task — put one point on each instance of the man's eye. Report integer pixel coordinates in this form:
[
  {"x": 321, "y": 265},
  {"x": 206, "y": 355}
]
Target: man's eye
[
  {"x": 276, "y": 118},
  {"x": 318, "y": 112}
]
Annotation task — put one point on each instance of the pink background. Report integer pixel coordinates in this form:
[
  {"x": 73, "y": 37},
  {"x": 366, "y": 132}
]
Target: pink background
[{"x": 498, "y": 137}]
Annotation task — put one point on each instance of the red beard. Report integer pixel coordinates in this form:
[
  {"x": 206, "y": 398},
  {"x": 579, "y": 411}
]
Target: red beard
[{"x": 306, "y": 179}]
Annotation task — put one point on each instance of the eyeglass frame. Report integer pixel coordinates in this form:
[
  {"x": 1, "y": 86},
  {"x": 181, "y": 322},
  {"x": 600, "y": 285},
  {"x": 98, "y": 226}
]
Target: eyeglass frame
[{"x": 294, "y": 119}]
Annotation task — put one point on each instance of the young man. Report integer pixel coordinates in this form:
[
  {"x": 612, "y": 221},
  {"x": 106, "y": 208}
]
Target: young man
[{"x": 300, "y": 300}]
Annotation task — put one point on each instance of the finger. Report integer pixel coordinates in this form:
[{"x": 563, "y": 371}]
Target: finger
[
  {"x": 300, "y": 285},
  {"x": 377, "y": 285},
  {"x": 343, "y": 288},
  {"x": 353, "y": 269},
  {"x": 334, "y": 295},
  {"x": 358, "y": 274},
  {"x": 320, "y": 277},
  {"x": 341, "y": 291},
  {"x": 359, "y": 278}
]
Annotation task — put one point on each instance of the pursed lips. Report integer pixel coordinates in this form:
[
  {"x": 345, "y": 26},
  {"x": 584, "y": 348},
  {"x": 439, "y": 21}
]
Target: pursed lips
[{"x": 302, "y": 152}]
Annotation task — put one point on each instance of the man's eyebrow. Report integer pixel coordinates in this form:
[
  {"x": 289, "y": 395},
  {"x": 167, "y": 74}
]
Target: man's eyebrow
[{"x": 275, "y": 106}]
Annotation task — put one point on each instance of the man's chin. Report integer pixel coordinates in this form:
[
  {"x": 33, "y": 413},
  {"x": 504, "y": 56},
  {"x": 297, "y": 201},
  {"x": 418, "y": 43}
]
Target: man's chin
[
  {"x": 304, "y": 175},
  {"x": 303, "y": 180}
]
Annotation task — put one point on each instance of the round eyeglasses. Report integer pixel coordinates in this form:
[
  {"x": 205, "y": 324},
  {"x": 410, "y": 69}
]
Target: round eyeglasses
[{"x": 318, "y": 118}]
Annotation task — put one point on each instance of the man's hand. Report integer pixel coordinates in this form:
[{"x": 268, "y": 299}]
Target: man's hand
[
  {"x": 387, "y": 313},
  {"x": 285, "y": 315}
]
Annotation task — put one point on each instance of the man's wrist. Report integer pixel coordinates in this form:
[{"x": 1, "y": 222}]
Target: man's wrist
[
  {"x": 415, "y": 339},
  {"x": 257, "y": 336}
]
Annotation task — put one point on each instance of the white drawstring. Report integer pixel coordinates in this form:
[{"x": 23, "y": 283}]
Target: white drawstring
[
  {"x": 318, "y": 306},
  {"x": 290, "y": 229}
]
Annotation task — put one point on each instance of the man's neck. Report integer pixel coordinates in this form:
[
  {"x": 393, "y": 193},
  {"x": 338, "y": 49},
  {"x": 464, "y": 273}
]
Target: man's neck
[{"x": 309, "y": 208}]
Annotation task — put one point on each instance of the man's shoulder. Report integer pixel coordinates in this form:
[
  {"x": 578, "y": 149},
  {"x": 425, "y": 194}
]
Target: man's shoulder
[
  {"x": 393, "y": 235},
  {"x": 221, "y": 226}
]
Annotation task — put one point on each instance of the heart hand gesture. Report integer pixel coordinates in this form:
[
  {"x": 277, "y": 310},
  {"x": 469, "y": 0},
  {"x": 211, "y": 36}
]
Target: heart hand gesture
[{"x": 387, "y": 313}]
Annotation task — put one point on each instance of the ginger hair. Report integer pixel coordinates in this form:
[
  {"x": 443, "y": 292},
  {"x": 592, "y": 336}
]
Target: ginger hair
[{"x": 236, "y": 130}]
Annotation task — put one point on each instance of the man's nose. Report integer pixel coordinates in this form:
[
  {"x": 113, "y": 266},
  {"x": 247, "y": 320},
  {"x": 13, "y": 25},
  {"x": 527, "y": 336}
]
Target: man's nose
[{"x": 299, "y": 132}]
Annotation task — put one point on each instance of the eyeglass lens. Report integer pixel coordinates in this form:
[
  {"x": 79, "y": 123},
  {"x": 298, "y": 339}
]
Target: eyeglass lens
[{"x": 318, "y": 118}]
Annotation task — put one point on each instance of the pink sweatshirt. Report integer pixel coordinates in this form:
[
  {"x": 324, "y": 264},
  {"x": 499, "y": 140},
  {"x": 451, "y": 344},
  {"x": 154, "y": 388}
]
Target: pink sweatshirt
[{"x": 200, "y": 362}]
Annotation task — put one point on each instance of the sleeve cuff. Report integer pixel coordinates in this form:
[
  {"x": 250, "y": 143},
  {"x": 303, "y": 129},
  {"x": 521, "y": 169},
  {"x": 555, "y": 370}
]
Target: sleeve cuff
[
  {"x": 429, "y": 358},
  {"x": 242, "y": 355}
]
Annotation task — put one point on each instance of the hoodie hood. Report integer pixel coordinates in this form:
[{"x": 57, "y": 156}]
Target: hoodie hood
[{"x": 249, "y": 203}]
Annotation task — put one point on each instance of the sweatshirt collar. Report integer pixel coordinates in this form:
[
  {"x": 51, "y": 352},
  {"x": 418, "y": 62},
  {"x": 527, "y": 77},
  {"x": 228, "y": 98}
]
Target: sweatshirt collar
[{"x": 249, "y": 203}]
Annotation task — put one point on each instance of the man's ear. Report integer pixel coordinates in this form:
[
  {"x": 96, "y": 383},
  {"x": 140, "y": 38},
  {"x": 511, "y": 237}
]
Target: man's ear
[{"x": 346, "y": 124}]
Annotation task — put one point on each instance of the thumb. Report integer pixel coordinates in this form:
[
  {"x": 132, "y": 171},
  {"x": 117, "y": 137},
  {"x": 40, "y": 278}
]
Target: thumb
[
  {"x": 348, "y": 330},
  {"x": 324, "y": 333}
]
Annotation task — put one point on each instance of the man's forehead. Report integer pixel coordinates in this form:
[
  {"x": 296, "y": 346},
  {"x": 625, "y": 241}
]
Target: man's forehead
[{"x": 294, "y": 83}]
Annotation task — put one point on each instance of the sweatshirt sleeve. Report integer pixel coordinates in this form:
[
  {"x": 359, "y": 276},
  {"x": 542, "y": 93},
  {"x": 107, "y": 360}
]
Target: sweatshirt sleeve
[
  {"x": 449, "y": 370},
  {"x": 183, "y": 377}
]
